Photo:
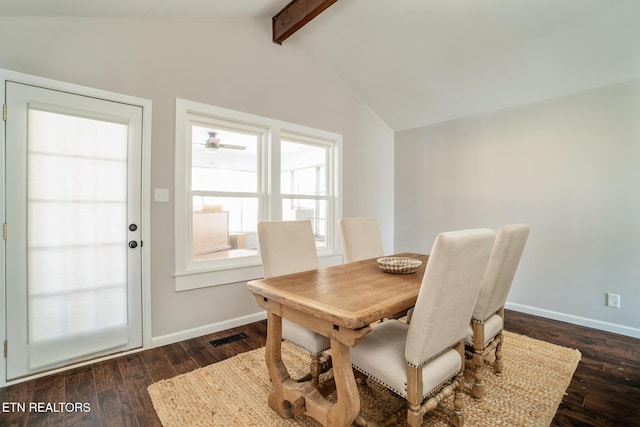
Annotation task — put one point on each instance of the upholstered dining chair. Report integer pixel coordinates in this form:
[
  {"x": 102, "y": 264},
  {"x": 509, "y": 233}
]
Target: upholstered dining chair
[
  {"x": 360, "y": 239},
  {"x": 288, "y": 247},
  {"x": 423, "y": 361},
  {"x": 485, "y": 330}
]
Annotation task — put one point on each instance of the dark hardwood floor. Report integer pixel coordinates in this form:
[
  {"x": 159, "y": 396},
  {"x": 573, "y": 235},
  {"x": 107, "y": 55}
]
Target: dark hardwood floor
[{"x": 605, "y": 390}]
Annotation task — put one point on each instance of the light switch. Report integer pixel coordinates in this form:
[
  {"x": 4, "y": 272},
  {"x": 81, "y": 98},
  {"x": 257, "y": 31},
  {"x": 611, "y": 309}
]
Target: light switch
[{"x": 161, "y": 195}]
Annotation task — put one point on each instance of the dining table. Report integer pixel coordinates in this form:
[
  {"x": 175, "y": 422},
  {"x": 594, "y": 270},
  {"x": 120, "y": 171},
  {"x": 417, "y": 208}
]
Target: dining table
[{"x": 340, "y": 302}]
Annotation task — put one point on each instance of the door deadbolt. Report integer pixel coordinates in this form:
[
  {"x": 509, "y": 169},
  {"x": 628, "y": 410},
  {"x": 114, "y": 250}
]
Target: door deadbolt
[{"x": 133, "y": 227}]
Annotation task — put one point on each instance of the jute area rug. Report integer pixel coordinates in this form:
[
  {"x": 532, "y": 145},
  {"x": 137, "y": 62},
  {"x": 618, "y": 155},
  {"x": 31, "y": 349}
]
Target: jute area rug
[{"x": 234, "y": 392}]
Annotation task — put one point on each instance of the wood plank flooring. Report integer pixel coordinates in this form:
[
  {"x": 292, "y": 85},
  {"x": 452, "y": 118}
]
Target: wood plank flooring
[{"x": 605, "y": 390}]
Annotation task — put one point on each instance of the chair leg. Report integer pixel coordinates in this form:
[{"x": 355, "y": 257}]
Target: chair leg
[
  {"x": 477, "y": 391},
  {"x": 415, "y": 411},
  {"x": 414, "y": 416},
  {"x": 317, "y": 366},
  {"x": 315, "y": 369},
  {"x": 457, "y": 417},
  {"x": 497, "y": 365}
]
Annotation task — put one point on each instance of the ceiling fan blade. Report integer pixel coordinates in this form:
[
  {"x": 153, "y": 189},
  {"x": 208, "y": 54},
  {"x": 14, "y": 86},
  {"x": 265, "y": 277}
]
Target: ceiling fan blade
[{"x": 233, "y": 147}]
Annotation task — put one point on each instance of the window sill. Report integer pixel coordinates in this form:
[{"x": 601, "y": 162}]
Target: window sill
[{"x": 190, "y": 280}]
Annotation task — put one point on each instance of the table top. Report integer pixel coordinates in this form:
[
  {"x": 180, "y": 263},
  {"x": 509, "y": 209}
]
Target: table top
[{"x": 350, "y": 295}]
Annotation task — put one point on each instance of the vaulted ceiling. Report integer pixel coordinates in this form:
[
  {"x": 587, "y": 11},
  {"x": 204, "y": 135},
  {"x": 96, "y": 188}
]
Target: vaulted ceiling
[{"x": 419, "y": 62}]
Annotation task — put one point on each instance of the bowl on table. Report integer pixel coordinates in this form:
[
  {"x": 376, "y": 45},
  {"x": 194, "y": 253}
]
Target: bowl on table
[{"x": 399, "y": 265}]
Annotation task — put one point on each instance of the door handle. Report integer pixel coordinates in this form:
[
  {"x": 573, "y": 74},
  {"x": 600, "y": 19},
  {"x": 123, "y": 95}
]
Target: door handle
[{"x": 133, "y": 244}]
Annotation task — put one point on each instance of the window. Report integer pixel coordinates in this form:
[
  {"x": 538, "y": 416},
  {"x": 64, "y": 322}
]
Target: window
[
  {"x": 304, "y": 182},
  {"x": 225, "y": 183},
  {"x": 235, "y": 169}
]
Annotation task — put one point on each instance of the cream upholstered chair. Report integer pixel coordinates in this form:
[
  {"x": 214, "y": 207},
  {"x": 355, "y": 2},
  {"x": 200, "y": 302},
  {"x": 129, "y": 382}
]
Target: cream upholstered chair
[
  {"x": 485, "y": 331},
  {"x": 360, "y": 238},
  {"x": 288, "y": 247},
  {"x": 424, "y": 361}
]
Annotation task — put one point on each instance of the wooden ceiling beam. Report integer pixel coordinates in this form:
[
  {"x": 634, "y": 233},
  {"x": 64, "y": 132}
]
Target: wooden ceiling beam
[{"x": 295, "y": 15}]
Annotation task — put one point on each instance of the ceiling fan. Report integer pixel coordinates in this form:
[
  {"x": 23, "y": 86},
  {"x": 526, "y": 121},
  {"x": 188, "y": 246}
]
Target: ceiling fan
[{"x": 213, "y": 144}]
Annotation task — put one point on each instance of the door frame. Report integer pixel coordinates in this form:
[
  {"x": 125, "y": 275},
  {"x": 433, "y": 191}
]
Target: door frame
[{"x": 145, "y": 228}]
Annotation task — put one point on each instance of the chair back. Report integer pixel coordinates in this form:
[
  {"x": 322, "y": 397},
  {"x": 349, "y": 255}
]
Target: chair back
[
  {"x": 286, "y": 247},
  {"x": 360, "y": 238},
  {"x": 503, "y": 263},
  {"x": 448, "y": 293}
]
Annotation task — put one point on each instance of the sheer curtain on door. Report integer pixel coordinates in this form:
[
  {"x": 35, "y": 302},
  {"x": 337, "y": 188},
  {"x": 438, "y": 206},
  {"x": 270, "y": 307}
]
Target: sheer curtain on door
[{"x": 76, "y": 234}]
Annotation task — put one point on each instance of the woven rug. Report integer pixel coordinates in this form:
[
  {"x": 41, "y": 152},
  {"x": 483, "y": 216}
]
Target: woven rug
[{"x": 234, "y": 392}]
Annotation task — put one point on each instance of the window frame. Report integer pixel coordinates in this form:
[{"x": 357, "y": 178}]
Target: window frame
[{"x": 193, "y": 275}]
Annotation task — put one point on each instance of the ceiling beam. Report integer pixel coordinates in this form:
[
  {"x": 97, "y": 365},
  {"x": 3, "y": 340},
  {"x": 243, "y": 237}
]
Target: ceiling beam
[{"x": 295, "y": 15}]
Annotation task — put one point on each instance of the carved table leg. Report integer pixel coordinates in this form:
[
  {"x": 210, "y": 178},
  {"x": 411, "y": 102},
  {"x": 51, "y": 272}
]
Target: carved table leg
[
  {"x": 277, "y": 370},
  {"x": 347, "y": 406},
  {"x": 290, "y": 398}
]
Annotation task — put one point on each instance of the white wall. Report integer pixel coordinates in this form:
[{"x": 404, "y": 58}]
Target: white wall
[
  {"x": 223, "y": 62},
  {"x": 569, "y": 167}
]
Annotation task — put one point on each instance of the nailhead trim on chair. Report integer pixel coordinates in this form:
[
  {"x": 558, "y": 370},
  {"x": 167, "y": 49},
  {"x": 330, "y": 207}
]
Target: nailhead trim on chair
[
  {"x": 468, "y": 341},
  {"x": 435, "y": 356},
  {"x": 399, "y": 393},
  {"x": 439, "y": 385}
]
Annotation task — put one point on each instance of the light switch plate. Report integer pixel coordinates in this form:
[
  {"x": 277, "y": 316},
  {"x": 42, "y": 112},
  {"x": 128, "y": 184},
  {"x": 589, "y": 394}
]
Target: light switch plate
[{"x": 161, "y": 195}]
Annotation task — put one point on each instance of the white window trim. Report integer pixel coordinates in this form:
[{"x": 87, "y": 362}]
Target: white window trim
[{"x": 192, "y": 275}]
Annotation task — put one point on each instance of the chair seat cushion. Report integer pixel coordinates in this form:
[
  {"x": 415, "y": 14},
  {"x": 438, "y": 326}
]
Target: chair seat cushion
[
  {"x": 381, "y": 356},
  {"x": 492, "y": 327},
  {"x": 304, "y": 338}
]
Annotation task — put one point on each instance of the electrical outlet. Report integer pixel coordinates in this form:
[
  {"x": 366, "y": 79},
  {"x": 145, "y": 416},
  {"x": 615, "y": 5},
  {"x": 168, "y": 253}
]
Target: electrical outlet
[{"x": 613, "y": 300}]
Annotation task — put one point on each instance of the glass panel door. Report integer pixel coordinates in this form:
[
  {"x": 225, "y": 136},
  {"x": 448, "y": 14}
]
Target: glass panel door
[{"x": 73, "y": 267}]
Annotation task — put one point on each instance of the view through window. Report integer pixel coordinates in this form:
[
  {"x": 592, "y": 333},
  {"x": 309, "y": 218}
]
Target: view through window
[
  {"x": 235, "y": 182},
  {"x": 303, "y": 183},
  {"x": 225, "y": 192}
]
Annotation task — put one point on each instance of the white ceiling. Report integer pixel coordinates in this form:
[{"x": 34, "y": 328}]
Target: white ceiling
[{"x": 419, "y": 62}]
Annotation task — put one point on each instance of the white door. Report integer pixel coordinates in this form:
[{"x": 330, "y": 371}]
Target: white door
[{"x": 73, "y": 210}]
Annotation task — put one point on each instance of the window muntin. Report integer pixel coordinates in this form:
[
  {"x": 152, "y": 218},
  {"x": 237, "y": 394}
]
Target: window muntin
[{"x": 315, "y": 210}]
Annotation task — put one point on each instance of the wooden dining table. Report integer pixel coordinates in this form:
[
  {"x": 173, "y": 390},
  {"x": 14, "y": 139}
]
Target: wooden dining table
[{"x": 340, "y": 302}]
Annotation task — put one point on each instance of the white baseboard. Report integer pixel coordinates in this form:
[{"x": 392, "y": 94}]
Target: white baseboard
[
  {"x": 207, "y": 329},
  {"x": 255, "y": 317},
  {"x": 576, "y": 320}
]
